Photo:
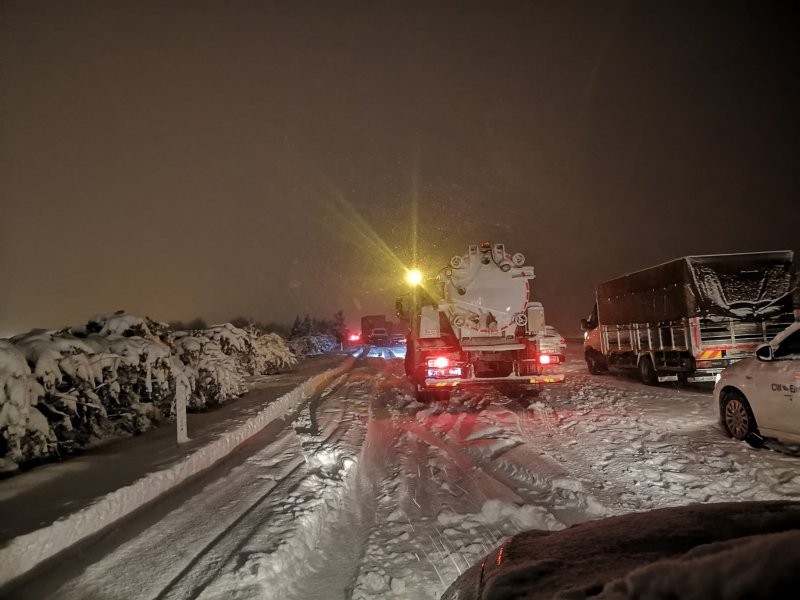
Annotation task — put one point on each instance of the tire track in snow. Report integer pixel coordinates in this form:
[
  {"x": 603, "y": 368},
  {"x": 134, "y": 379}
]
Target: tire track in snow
[
  {"x": 164, "y": 548},
  {"x": 245, "y": 537},
  {"x": 311, "y": 544},
  {"x": 497, "y": 447},
  {"x": 437, "y": 510}
]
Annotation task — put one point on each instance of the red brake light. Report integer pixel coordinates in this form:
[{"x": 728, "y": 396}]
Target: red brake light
[
  {"x": 440, "y": 362},
  {"x": 544, "y": 359},
  {"x": 354, "y": 337}
]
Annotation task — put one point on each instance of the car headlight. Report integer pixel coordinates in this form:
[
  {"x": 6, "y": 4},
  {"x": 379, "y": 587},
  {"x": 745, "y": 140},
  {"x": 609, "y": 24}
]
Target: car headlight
[{"x": 717, "y": 377}]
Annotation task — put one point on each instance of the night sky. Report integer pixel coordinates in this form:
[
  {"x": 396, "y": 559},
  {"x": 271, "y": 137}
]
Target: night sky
[{"x": 215, "y": 159}]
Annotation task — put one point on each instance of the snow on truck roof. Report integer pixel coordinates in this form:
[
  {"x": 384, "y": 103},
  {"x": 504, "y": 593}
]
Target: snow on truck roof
[
  {"x": 783, "y": 254},
  {"x": 746, "y": 284}
]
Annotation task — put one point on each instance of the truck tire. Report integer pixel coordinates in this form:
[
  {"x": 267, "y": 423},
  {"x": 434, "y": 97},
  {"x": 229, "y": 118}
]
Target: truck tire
[
  {"x": 647, "y": 371},
  {"x": 595, "y": 365},
  {"x": 737, "y": 416},
  {"x": 431, "y": 396}
]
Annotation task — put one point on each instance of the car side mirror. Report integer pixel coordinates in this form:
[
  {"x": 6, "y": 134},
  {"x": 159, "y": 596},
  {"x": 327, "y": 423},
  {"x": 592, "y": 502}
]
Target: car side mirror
[{"x": 765, "y": 352}]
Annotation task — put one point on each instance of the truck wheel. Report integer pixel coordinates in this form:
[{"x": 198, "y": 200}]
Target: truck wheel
[
  {"x": 737, "y": 417},
  {"x": 647, "y": 371},
  {"x": 515, "y": 392},
  {"x": 431, "y": 396},
  {"x": 595, "y": 366}
]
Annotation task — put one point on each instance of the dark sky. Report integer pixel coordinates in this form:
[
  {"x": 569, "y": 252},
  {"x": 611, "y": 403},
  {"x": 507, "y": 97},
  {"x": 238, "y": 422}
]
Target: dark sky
[{"x": 266, "y": 159}]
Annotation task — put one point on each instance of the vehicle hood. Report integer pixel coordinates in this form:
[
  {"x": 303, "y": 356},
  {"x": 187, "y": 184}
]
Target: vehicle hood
[
  {"x": 604, "y": 558},
  {"x": 746, "y": 364}
]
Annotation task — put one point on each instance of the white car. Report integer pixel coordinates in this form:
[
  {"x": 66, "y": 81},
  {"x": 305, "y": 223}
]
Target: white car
[
  {"x": 562, "y": 342},
  {"x": 760, "y": 395}
]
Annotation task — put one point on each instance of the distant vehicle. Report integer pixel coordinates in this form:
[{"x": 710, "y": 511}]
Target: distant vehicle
[
  {"x": 697, "y": 551},
  {"x": 689, "y": 318},
  {"x": 370, "y": 322},
  {"x": 398, "y": 339},
  {"x": 760, "y": 395},
  {"x": 474, "y": 324},
  {"x": 378, "y": 337},
  {"x": 353, "y": 340},
  {"x": 562, "y": 341}
]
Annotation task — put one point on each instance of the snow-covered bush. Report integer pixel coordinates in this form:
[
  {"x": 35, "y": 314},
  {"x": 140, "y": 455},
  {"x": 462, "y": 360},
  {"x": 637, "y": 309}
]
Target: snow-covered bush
[
  {"x": 25, "y": 434},
  {"x": 313, "y": 345},
  {"x": 272, "y": 353},
  {"x": 214, "y": 376},
  {"x": 142, "y": 385},
  {"x": 60, "y": 391},
  {"x": 68, "y": 372},
  {"x": 222, "y": 356}
]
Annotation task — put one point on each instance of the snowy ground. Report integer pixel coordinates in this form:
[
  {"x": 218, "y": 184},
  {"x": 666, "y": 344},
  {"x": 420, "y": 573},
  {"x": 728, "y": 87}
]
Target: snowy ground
[{"x": 367, "y": 494}]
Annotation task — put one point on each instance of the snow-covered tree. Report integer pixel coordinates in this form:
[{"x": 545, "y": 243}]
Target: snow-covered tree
[
  {"x": 61, "y": 391},
  {"x": 25, "y": 434}
]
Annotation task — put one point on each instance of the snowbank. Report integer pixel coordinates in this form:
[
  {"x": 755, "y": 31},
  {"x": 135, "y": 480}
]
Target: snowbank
[
  {"x": 27, "y": 551},
  {"x": 62, "y": 391}
]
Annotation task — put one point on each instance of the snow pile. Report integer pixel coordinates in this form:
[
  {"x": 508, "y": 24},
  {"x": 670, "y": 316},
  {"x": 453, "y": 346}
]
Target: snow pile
[{"x": 61, "y": 391}]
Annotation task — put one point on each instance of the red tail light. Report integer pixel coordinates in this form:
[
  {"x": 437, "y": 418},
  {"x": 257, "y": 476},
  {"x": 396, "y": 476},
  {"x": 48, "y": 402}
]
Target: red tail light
[
  {"x": 440, "y": 362},
  {"x": 354, "y": 337},
  {"x": 544, "y": 359}
]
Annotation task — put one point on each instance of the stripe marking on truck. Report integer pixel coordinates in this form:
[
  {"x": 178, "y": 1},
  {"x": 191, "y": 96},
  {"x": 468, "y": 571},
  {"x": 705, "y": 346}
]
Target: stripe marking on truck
[{"x": 709, "y": 354}]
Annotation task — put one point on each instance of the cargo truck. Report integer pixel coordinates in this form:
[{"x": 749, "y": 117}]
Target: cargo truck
[{"x": 689, "y": 318}]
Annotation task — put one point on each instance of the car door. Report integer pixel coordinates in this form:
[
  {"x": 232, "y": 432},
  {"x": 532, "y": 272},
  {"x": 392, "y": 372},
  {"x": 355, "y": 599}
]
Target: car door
[{"x": 778, "y": 388}]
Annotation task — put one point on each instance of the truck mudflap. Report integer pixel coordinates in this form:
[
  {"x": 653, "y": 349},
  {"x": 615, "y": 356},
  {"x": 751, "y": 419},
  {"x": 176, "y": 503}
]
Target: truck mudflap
[{"x": 439, "y": 383}]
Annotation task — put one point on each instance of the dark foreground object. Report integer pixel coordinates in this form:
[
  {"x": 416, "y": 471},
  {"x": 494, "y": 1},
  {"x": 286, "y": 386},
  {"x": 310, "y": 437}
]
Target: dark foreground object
[{"x": 728, "y": 550}]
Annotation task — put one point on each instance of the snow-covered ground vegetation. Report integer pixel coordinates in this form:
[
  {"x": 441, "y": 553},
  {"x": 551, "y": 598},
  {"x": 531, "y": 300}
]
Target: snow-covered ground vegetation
[
  {"x": 313, "y": 345},
  {"x": 61, "y": 391}
]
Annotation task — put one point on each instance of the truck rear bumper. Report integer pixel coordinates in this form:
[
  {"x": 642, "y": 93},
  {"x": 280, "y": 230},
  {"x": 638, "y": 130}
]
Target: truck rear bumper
[
  {"x": 696, "y": 377},
  {"x": 521, "y": 380},
  {"x": 702, "y": 377}
]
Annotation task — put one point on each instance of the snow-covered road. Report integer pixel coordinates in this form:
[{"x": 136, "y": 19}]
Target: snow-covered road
[{"x": 367, "y": 494}]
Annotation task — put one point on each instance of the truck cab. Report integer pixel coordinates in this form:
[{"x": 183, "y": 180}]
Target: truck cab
[{"x": 592, "y": 344}]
